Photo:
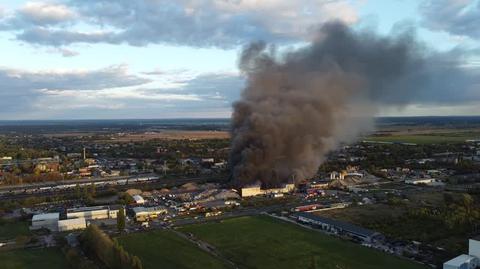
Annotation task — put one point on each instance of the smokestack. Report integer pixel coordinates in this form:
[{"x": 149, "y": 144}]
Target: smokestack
[{"x": 299, "y": 105}]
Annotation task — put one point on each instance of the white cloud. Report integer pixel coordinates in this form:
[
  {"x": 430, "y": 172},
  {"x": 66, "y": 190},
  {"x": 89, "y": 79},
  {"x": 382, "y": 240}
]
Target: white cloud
[
  {"x": 112, "y": 92},
  {"x": 43, "y": 13},
  {"x": 195, "y": 23}
]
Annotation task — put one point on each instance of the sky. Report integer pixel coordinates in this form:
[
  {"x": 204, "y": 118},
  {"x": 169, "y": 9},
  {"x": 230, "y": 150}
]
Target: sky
[{"x": 122, "y": 59}]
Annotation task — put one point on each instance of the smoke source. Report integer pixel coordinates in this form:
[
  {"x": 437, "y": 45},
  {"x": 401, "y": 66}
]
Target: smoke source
[{"x": 299, "y": 105}]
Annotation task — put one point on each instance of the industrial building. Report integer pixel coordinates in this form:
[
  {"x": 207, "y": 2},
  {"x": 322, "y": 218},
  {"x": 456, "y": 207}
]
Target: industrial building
[
  {"x": 76, "y": 218},
  {"x": 71, "y": 224},
  {"x": 138, "y": 199},
  {"x": 45, "y": 221},
  {"x": 464, "y": 261},
  {"x": 93, "y": 212},
  {"x": 338, "y": 227},
  {"x": 257, "y": 190},
  {"x": 146, "y": 213}
]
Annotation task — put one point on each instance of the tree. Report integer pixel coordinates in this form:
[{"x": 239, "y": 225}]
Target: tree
[
  {"x": 136, "y": 263},
  {"x": 121, "y": 219},
  {"x": 93, "y": 189},
  {"x": 78, "y": 191}
]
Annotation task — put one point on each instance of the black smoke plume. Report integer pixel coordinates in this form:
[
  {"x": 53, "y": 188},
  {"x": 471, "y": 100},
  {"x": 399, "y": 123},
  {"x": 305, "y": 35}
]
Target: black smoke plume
[{"x": 299, "y": 105}]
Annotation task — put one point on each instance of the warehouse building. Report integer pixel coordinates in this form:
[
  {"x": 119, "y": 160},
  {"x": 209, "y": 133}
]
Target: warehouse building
[
  {"x": 461, "y": 262},
  {"x": 464, "y": 261},
  {"x": 45, "y": 221},
  {"x": 339, "y": 227},
  {"x": 257, "y": 190},
  {"x": 146, "y": 213},
  {"x": 138, "y": 199},
  {"x": 71, "y": 224},
  {"x": 93, "y": 212}
]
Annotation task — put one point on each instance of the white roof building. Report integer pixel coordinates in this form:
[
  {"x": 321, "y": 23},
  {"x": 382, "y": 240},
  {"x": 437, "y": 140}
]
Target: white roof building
[
  {"x": 461, "y": 262},
  {"x": 474, "y": 248},
  {"x": 46, "y": 217},
  {"x": 138, "y": 199},
  {"x": 46, "y": 221},
  {"x": 464, "y": 261}
]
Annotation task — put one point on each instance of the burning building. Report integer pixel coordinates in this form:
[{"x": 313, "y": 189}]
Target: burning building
[{"x": 300, "y": 104}]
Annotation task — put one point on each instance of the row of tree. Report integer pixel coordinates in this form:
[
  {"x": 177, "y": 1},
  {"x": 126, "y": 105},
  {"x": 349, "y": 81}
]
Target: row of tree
[{"x": 96, "y": 243}]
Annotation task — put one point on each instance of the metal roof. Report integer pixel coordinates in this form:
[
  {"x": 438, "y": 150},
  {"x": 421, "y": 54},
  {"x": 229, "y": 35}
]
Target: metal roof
[
  {"x": 87, "y": 209},
  {"x": 142, "y": 209},
  {"x": 46, "y": 216},
  {"x": 459, "y": 260},
  {"x": 352, "y": 228}
]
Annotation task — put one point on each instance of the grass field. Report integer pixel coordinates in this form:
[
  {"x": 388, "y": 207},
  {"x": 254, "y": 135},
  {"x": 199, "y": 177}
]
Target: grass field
[
  {"x": 166, "y": 250},
  {"x": 434, "y": 138},
  {"x": 264, "y": 242},
  {"x": 10, "y": 230},
  {"x": 50, "y": 258},
  {"x": 418, "y": 139}
]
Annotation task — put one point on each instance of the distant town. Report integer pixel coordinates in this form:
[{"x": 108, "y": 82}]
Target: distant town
[{"x": 404, "y": 199}]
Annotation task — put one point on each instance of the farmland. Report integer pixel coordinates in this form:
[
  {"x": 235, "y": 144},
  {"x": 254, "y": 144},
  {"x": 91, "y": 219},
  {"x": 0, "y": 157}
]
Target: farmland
[{"x": 263, "y": 242}]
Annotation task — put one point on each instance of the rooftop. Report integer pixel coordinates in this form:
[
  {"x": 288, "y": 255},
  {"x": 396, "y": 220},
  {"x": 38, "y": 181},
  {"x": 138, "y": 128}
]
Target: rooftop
[
  {"x": 141, "y": 209},
  {"x": 458, "y": 261},
  {"x": 339, "y": 224},
  {"x": 46, "y": 216},
  {"x": 88, "y": 208}
]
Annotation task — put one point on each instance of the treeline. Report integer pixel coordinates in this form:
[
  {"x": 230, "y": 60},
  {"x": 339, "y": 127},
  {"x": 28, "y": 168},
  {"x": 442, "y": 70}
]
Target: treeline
[
  {"x": 13, "y": 179},
  {"x": 99, "y": 245},
  {"x": 458, "y": 216},
  {"x": 76, "y": 260}
]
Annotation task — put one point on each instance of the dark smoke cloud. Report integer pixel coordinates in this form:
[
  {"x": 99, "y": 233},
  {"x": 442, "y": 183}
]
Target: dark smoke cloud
[{"x": 299, "y": 105}]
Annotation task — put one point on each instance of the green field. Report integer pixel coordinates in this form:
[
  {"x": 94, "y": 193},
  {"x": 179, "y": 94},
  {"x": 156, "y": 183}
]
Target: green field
[
  {"x": 51, "y": 258},
  {"x": 10, "y": 230},
  {"x": 426, "y": 138},
  {"x": 264, "y": 242},
  {"x": 164, "y": 249}
]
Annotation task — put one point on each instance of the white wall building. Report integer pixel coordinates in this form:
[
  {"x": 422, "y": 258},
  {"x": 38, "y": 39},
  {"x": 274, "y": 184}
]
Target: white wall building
[
  {"x": 461, "y": 262},
  {"x": 470, "y": 261},
  {"x": 47, "y": 221},
  {"x": 93, "y": 212},
  {"x": 146, "y": 213},
  {"x": 138, "y": 199},
  {"x": 474, "y": 248},
  {"x": 71, "y": 224}
]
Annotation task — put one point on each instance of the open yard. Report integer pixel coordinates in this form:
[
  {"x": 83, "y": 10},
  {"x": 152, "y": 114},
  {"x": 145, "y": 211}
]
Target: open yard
[
  {"x": 166, "y": 250},
  {"x": 264, "y": 242},
  {"x": 50, "y": 258}
]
